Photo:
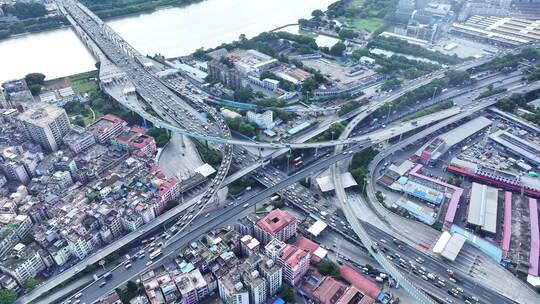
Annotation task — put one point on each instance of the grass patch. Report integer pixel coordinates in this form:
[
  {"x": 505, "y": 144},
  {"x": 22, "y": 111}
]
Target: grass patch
[
  {"x": 369, "y": 24},
  {"x": 82, "y": 82}
]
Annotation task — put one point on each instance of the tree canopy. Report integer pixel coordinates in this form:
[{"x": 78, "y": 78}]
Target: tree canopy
[
  {"x": 23, "y": 10},
  {"x": 7, "y": 296}
]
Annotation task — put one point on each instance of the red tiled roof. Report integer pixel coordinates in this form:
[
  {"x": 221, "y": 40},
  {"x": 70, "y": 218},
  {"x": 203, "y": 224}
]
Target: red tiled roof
[
  {"x": 310, "y": 246},
  {"x": 112, "y": 117},
  {"x": 275, "y": 221},
  {"x": 330, "y": 291},
  {"x": 359, "y": 281},
  {"x": 292, "y": 255},
  {"x": 352, "y": 295}
]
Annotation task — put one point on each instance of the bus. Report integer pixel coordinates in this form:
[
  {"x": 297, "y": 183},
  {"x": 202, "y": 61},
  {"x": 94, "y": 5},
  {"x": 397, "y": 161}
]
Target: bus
[
  {"x": 155, "y": 253},
  {"x": 299, "y": 158},
  {"x": 298, "y": 163}
]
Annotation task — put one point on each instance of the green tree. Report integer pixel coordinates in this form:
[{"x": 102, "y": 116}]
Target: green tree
[
  {"x": 338, "y": 49},
  {"x": 243, "y": 94},
  {"x": 357, "y": 54},
  {"x": 458, "y": 77},
  {"x": 327, "y": 267},
  {"x": 347, "y": 34},
  {"x": 35, "y": 81},
  {"x": 7, "y": 296},
  {"x": 380, "y": 196},
  {"x": 530, "y": 53},
  {"x": 30, "y": 284},
  {"x": 131, "y": 287},
  {"x": 161, "y": 136},
  {"x": 309, "y": 85},
  {"x": 79, "y": 121},
  {"x": 287, "y": 294},
  {"x": 317, "y": 13},
  {"x": 26, "y": 10},
  {"x": 34, "y": 78}
]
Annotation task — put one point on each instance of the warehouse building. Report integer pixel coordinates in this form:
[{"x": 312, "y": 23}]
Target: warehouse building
[
  {"x": 517, "y": 146},
  {"x": 483, "y": 205}
]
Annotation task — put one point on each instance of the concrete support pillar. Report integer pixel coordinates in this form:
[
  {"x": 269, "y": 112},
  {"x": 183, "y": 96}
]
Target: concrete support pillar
[{"x": 182, "y": 140}]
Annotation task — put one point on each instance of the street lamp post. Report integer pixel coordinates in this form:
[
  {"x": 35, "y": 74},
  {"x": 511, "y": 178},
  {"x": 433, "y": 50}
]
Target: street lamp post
[
  {"x": 102, "y": 264},
  {"x": 288, "y": 160}
]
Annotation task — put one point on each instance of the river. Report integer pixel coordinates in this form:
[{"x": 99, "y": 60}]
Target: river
[{"x": 171, "y": 32}]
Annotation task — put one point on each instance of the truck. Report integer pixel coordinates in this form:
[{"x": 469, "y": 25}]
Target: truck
[
  {"x": 155, "y": 254},
  {"x": 274, "y": 198},
  {"x": 431, "y": 276}
]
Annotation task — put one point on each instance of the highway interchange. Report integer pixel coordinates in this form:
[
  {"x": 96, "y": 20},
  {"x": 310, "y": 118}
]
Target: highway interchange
[{"x": 148, "y": 88}]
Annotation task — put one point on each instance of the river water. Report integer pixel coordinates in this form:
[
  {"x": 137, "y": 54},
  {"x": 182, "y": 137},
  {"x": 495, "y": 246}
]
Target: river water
[{"x": 171, "y": 32}]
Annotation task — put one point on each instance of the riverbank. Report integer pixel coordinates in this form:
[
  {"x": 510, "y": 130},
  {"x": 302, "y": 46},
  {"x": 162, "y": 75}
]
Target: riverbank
[
  {"x": 123, "y": 8},
  {"x": 169, "y": 31},
  {"x": 34, "y": 25}
]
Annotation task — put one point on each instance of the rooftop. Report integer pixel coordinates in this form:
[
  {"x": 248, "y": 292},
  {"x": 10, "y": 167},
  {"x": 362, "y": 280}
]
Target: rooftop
[
  {"x": 275, "y": 221},
  {"x": 292, "y": 255},
  {"x": 104, "y": 123},
  {"x": 483, "y": 207},
  {"x": 41, "y": 114}
]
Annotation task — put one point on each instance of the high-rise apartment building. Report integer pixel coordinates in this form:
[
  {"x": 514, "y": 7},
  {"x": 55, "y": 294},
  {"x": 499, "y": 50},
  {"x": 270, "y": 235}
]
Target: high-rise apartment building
[{"x": 45, "y": 124}]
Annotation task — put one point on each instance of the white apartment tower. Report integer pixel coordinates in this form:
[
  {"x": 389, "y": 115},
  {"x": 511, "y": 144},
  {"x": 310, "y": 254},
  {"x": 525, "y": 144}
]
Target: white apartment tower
[{"x": 45, "y": 124}]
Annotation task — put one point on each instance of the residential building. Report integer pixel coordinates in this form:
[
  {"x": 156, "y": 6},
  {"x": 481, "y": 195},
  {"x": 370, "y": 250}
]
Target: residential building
[
  {"x": 277, "y": 224},
  {"x": 62, "y": 179},
  {"x": 4, "y": 103},
  {"x": 274, "y": 249},
  {"x": 59, "y": 251},
  {"x": 135, "y": 140},
  {"x": 17, "y": 92},
  {"x": 273, "y": 274},
  {"x": 264, "y": 120},
  {"x": 80, "y": 245},
  {"x": 256, "y": 284},
  {"x": 192, "y": 286},
  {"x": 226, "y": 75},
  {"x": 249, "y": 245},
  {"x": 24, "y": 262},
  {"x": 12, "y": 166},
  {"x": 232, "y": 291},
  {"x": 7, "y": 282},
  {"x": 79, "y": 139},
  {"x": 295, "y": 263},
  {"x": 17, "y": 230},
  {"x": 45, "y": 124},
  {"x": 107, "y": 127},
  {"x": 168, "y": 189}
]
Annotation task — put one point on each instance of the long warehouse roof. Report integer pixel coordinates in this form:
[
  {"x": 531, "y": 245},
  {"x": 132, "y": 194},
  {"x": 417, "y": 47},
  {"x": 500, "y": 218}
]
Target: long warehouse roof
[{"x": 483, "y": 207}]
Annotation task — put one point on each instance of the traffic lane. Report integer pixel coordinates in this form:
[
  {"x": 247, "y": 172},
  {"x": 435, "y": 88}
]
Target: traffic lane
[{"x": 437, "y": 267}]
